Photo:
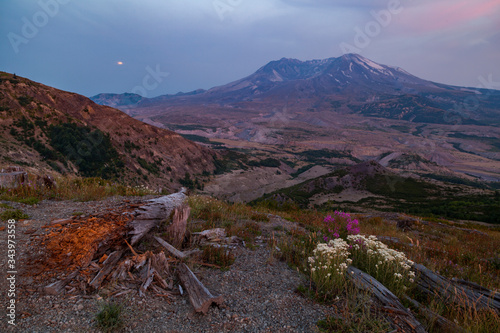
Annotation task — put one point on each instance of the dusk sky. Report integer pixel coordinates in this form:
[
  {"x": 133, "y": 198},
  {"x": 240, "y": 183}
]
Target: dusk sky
[{"x": 165, "y": 46}]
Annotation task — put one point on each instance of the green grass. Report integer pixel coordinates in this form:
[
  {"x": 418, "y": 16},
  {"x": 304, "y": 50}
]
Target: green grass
[
  {"x": 12, "y": 214},
  {"x": 29, "y": 200},
  {"x": 109, "y": 318},
  {"x": 219, "y": 256},
  {"x": 3, "y": 205},
  {"x": 356, "y": 315},
  {"x": 70, "y": 188}
]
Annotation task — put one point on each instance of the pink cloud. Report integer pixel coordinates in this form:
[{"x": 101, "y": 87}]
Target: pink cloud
[{"x": 444, "y": 15}]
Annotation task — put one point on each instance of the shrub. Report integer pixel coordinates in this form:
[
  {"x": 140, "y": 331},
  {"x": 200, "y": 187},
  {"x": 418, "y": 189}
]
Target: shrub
[
  {"x": 109, "y": 318},
  {"x": 90, "y": 150}
]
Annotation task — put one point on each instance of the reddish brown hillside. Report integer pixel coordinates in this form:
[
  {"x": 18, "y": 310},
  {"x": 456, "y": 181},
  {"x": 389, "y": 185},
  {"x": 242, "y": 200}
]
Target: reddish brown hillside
[{"x": 29, "y": 111}]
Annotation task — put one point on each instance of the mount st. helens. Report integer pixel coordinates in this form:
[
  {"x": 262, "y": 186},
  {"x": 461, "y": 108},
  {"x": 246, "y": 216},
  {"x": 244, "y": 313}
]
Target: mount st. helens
[
  {"x": 46, "y": 130},
  {"x": 346, "y": 103},
  {"x": 348, "y": 84}
]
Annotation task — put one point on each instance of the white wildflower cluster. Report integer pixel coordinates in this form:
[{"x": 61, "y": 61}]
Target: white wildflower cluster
[
  {"x": 330, "y": 261},
  {"x": 381, "y": 261},
  {"x": 374, "y": 247}
]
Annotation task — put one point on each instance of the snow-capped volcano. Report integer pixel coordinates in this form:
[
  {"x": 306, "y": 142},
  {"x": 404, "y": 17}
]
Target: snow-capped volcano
[{"x": 349, "y": 84}]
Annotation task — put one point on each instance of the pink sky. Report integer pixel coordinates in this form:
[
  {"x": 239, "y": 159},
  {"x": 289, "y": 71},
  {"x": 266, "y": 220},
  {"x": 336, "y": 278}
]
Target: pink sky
[{"x": 449, "y": 14}]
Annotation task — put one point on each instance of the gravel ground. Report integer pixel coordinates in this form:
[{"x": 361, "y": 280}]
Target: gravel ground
[{"x": 259, "y": 292}]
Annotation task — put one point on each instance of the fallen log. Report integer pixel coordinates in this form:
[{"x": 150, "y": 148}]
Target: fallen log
[
  {"x": 390, "y": 303},
  {"x": 176, "y": 253},
  {"x": 152, "y": 213},
  {"x": 460, "y": 292},
  {"x": 199, "y": 295},
  {"x": 109, "y": 264},
  {"x": 443, "y": 324}
]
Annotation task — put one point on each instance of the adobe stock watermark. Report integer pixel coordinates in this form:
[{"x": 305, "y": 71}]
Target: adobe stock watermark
[
  {"x": 364, "y": 35},
  {"x": 223, "y": 7},
  {"x": 11, "y": 272},
  {"x": 31, "y": 27},
  {"x": 150, "y": 81}
]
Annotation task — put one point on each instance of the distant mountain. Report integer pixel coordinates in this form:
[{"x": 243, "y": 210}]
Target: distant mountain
[
  {"x": 47, "y": 130},
  {"x": 350, "y": 84},
  {"x": 117, "y": 100}
]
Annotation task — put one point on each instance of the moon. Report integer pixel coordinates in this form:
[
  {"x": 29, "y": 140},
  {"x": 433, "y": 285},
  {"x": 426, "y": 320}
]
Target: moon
[{"x": 119, "y": 63}]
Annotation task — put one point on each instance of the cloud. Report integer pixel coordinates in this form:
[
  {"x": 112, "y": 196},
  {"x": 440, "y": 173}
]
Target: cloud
[{"x": 436, "y": 16}]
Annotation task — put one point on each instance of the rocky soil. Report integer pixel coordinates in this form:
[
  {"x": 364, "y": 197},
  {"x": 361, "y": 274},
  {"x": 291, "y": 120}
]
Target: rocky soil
[{"x": 259, "y": 292}]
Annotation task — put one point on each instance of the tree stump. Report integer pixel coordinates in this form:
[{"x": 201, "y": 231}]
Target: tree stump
[
  {"x": 12, "y": 179},
  {"x": 152, "y": 213},
  {"x": 177, "y": 230}
]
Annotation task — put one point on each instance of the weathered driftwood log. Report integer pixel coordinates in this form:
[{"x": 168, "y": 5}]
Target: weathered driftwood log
[
  {"x": 177, "y": 230},
  {"x": 390, "y": 303},
  {"x": 460, "y": 292},
  {"x": 199, "y": 295},
  {"x": 108, "y": 266},
  {"x": 152, "y": 213},
  {"x": 176, "y": 253},
  {"x": 444, "y": 325},
  {"x": 58, "y": 287}
]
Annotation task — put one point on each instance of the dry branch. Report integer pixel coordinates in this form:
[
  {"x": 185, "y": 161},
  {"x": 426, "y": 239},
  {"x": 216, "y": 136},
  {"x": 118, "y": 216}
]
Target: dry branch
[
  {"x": 176, "y": 253},
  {"x": 199, "y": 295}
]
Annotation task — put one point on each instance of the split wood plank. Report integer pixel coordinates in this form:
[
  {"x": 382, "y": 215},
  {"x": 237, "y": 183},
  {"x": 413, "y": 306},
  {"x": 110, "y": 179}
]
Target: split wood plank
[
  {"x": 108, "y": 266},
  {"x": 199, "y": 295},
  {"x": 58, "y": 287}
]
